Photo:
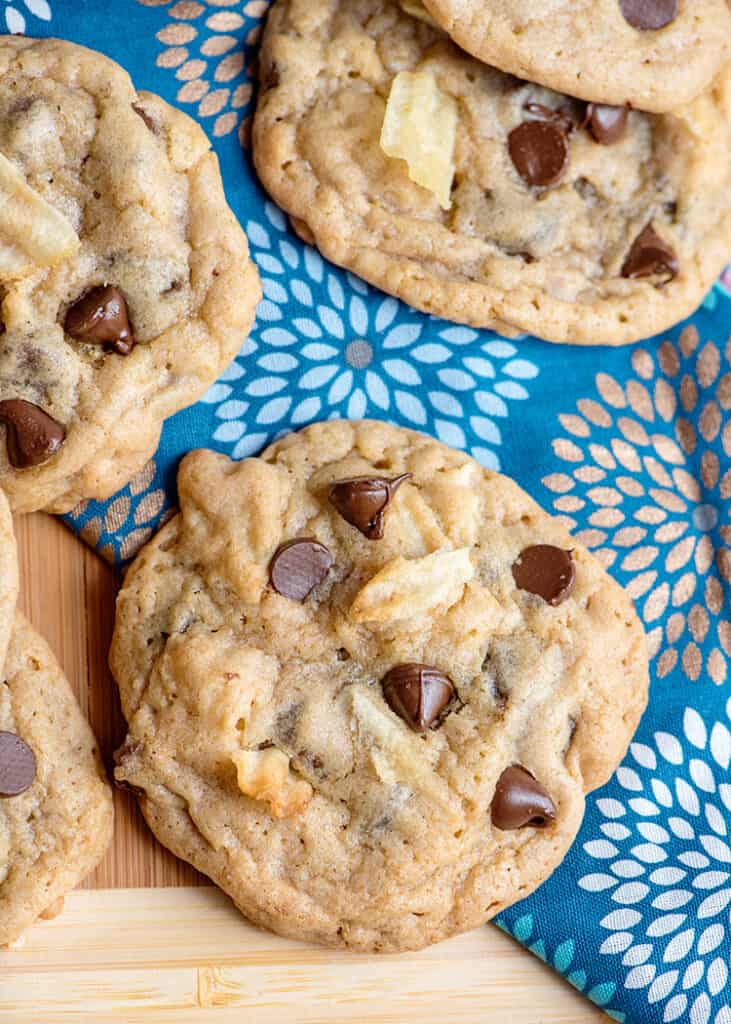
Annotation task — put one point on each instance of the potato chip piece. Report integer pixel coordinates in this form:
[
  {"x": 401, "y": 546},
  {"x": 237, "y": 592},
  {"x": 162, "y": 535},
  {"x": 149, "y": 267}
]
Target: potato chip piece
[
  {"x": 397, "y": 755},
  {"x": 420, "y": 127},
  {"x": 417, "y": 10},
  {"x": 266, "y": 775},
  {"x": 32, "y": 232},
  {"x": 406, "y": 588}
]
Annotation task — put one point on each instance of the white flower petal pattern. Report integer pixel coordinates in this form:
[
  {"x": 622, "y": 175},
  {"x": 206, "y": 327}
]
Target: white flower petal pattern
[
  {"x": 326, "y": 345},
  {"x": 675, "y": 914},
  {"x": 19, "y": 15}
]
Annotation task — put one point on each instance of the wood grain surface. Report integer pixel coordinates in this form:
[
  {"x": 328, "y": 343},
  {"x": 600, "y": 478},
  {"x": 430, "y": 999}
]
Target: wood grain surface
[{"x": 153, "y": 941}]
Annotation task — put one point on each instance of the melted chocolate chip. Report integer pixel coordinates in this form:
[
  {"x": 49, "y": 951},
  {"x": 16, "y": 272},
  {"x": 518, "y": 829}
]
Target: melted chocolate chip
[
  {"x": 649, "y": 15},
  {"x": 521, "y": 800},
  {"x": 608, "y": 125},
  {"x": 562, "y": 116},
  {"x": 547, "y": 571},
  {"x": 298, "y": 566},
  {"x": 141, "y": 112},
  {"x": 100, "y": 318},
  {"x": 32, "y": 436},
  {"x": 417, "y": 693},
  {"x": 286, "y": 723},
  {"x": 650, "y": 256},
  {"x": 363, "y": 501},
  {"x": 17, "y": 765},
  {"x": 540, "y": 151}
]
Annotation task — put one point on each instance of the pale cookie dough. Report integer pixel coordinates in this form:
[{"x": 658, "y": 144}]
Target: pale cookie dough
[
  {"x": 104, "y": 186},
  {"x": 8, "y": 576},
  {"x": 269, "y": 735},
  {"x": 589, "y": 48},
  {"x": 507, "y": 254},
  {"x": 56, "y": 831}
]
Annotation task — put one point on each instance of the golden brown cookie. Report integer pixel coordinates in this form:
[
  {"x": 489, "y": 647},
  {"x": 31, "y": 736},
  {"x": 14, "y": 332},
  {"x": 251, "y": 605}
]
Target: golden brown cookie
[
  {"x": 481, "y": 198},
  {"x": 648, "y": 54},
  {"x": 368, "y": 684},
  {"x": 126, "y": 280},
  {"x": 55, "y": 803}
]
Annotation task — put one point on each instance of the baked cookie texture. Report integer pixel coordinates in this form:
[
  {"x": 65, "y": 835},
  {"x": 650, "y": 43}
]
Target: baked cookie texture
[
  {"x": 57, "y": 830},
  {"x": 267, "y": 744},
  {"x": 135, "y": 191},
  {"x": 8, "y": 575},
  {"x": 604, "y": 51},
  {"x": 507, "y": 255}
]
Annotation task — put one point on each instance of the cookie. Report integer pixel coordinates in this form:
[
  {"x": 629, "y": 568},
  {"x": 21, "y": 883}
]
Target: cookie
[
  {"x": 126, "y": 280},
  {"x": 577, "y": 224},
  {"x": 8, "y": 576},
  {"x": 655, "y": 55},
  {"x": 368, "y": 683},
  {"x": 55, "y": 805}
]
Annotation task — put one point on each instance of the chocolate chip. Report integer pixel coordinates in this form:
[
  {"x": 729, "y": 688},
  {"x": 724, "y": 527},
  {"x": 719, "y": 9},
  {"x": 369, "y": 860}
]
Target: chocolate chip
[
  {"x": 308, "y": 763},
  {"x": 100, "y": 318},
  {"x": 521, "y": 800},
  {"x": 146, "y": 118},
  {"x": 649, "y": 14},
  {"x": 539, "y": 151},
  {"x": 545, "y": 570},
  {"x": 298, "y": 566},
  {"x": 362, "y": 501},
  {"x": 562, "y": 116},
  {"x": 585, "y": 189},
  {"x": 649, "y": 256},
  {"x": 287, "y": 722},
  {"x": 32, "y": 436},
  {"x": 17, "y": 765},
  {"x": 607, "y": 125},
  {"x": 417, "y": 693}
]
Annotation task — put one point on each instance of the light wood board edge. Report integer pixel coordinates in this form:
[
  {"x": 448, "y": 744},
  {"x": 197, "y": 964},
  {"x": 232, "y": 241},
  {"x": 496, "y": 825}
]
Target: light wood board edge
[{"x": 185, "y": 955}]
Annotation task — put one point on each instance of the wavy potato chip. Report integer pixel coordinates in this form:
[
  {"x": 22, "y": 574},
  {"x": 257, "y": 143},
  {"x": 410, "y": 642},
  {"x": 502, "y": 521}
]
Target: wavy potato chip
[
  {"x": 397, "y": 755},
  {"x": 417, "y": 10},
  {"x": 407, "y": 588},
  {"x": 420, "y": 127},
  {"x": 32, "y": 232}
]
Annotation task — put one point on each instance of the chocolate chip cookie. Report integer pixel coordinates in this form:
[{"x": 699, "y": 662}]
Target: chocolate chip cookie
[
  {"x": 649, "y": 54},
  {"x": 55, "y": 805},
  {"x": 368, "y": 684},
  {"x": 482, "y": 198},
  {"x": 125, "y": 279},
  {"x": 8, "y": 576}
]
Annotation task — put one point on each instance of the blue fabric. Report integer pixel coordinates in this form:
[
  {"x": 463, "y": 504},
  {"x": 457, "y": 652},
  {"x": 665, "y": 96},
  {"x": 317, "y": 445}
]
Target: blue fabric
[{"x": 631, "y": 446}]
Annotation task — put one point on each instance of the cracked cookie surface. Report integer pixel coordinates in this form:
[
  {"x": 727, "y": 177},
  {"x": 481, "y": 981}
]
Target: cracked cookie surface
[
  {"x": 321, "y": 727},
  {"x": 57, "y": 829},
  {"x": 125, "y": 280},
  {"x": 550, "y": 257}
]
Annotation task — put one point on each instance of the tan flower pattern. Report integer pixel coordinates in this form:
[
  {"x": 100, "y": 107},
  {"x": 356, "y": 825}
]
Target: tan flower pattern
[
  {"x": 137, "y": 506},
  {"x": 205, "y": 45},
  {"x": 646, "y": 483}
]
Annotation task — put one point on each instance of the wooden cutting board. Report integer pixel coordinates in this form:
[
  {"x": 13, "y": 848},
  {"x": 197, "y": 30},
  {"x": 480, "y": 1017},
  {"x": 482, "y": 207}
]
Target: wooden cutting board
[{"x": 147, "y": 939}]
